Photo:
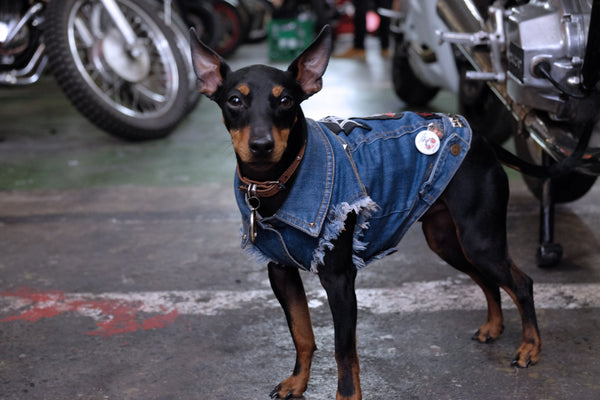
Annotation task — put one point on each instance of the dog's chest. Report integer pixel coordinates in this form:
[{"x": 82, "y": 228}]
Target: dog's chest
[{"x": 386, "y": 169}]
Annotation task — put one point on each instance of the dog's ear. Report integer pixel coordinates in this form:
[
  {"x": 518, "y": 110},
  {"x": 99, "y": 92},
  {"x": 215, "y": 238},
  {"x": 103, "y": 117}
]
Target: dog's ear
[
  {"x": 309, "y": 67},
  {"x": 209, "y": 67}
]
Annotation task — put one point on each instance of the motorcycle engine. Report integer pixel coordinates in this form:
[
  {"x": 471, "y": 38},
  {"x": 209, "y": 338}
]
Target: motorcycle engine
[
  {"x": 547, "y": 35},
  {"x": 10, "y": 15}
]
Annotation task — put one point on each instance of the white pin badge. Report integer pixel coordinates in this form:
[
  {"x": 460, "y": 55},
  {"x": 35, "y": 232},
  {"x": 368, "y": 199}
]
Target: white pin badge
[{"x": 427, "y": 142}]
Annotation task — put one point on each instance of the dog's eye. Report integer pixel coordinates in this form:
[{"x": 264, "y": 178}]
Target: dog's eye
[
  {"x": 286, "y": 102},
  {"x": 234, "y": 101}
]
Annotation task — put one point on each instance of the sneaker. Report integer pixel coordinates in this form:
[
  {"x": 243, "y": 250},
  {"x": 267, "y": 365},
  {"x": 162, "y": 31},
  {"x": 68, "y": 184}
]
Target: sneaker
[{"x": 352, "y": 53}]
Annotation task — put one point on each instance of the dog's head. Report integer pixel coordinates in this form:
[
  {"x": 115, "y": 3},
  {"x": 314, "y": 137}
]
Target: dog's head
[{"x": 261, "y": 104}]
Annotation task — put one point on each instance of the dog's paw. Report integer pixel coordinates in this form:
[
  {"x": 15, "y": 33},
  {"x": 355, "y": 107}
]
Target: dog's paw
[
  {"x": 528, "y": 354},
  {"x": 290, "y": 388},
  {"x": 488, "y": 333},
  {"x": 275, "y": 395}
]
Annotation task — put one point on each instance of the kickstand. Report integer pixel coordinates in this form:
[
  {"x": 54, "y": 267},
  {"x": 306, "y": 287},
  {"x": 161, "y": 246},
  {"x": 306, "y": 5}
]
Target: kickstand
[{"x": 549, "y": 253}]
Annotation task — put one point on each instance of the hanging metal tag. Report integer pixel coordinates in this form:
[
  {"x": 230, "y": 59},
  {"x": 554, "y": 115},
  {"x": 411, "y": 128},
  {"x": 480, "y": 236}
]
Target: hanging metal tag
[
  {"x": 252, "y": 225},
  {"x": 253, "y": 203}
]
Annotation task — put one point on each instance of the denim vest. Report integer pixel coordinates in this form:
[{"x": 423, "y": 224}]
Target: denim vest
[{"x": 370, "y": 166}]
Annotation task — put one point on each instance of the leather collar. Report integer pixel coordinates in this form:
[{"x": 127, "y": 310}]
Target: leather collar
[{"x": 270, "y": 188}]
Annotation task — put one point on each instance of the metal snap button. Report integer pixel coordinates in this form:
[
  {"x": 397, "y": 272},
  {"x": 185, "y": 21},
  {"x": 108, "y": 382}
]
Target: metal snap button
[{"x": 455, "y": 149}]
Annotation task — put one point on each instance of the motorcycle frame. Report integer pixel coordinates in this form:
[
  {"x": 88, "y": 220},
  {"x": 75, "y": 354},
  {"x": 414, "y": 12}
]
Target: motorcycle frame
[
  {"x": 412, "y": 23},
  {"x": 563, "y": 146},
  {"x": 32, "y": 72}
]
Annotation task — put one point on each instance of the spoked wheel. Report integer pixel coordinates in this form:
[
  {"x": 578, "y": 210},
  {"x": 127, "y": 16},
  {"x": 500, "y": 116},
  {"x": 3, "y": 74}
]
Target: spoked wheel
[{"x": 134, "y": 92}]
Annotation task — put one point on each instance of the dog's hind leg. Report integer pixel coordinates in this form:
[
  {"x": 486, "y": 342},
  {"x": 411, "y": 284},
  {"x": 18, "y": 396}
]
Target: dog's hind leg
[
  {"x": 289, "y": 290},
  {"x": 477, "y": 199},
  {"x": 441, "y": 235},
  {"x": 495, "y": 265}
]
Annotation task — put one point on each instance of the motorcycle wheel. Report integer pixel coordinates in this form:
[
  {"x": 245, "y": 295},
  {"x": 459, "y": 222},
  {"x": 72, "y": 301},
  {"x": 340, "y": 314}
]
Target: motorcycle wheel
[
  {"x": 202, "y": 17},
  {"x": 408, "y": 87},
  {"x": 233, "y": 27},
  {"x": 181, "y": 32},
  {"x": 566, "y": 188},
  {"x": 131, "y": 96}
]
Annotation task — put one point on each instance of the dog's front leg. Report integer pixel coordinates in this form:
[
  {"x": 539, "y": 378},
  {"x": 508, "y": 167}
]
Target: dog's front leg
[
  {"x": 337, "y": 275},
  {"x": 289, "y": 290}
]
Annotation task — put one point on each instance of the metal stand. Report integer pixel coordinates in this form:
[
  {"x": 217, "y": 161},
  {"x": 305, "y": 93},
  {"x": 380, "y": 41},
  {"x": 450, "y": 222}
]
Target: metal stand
[{"x": 549, "y": 253}]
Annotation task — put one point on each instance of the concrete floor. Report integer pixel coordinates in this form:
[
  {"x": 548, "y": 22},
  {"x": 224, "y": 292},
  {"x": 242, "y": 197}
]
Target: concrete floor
[{"x": 121, "y": 275}]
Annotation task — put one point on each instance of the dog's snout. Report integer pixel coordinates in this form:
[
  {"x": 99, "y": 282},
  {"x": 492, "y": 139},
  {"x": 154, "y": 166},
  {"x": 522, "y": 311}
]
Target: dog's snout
[{"x": 262, "y": 146}]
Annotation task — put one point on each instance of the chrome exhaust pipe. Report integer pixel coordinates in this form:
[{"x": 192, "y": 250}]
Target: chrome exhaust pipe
[
  {"x": 460, "y": 15},
  {"x": 560, "y": 143}
]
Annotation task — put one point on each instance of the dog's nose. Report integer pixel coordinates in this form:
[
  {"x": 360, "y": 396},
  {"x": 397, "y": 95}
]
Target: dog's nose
[{"x": 262, "y": 146}]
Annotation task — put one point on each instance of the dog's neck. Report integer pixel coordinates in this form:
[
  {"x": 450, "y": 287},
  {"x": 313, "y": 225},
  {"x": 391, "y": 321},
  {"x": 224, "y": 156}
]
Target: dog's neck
[{"x": 296, "y": 142}]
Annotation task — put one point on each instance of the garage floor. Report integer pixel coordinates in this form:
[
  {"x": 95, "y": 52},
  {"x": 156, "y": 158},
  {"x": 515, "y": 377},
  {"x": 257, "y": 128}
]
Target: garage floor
[{"x": 121, "y": 274}]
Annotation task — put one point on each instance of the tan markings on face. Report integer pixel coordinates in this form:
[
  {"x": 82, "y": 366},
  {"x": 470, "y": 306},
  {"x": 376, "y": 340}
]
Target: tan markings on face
[
  {"x": 239, "y": 138},
  {"x": 281, "y": 140},
  {"x": 244, "y": 89},
  {"x": 277, "y": 90}
]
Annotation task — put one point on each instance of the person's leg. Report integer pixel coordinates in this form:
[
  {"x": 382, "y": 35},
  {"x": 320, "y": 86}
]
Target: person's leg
[
  {"x": 384, "y": 27},
  {"x": 360, "y": 23},
  {"x": 357, "y": 51}
]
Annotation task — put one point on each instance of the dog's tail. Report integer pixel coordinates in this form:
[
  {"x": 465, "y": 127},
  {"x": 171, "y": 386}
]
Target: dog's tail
[
  {"x": 510, "y": 160},
  {"x": 562, "y": 167}
]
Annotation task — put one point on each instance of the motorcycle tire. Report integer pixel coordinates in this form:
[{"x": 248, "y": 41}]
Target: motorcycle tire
[
  {"x": 565, "y": 188},
  {"x": 133, "y": 96},
  {"x": 202, "y": 17},
  {"x": 234, "y": 26},
  {"x": 181, "y": 32},
  {"x": 408, "y": 87}
]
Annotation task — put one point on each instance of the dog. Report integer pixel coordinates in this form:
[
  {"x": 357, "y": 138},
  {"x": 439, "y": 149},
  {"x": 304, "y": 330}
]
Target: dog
[{"x": 313, "y": 197}]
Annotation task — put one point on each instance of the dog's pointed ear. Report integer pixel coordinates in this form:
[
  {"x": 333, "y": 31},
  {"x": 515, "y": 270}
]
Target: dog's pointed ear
[
  {"x": 309, "y": 67},
  {"x": 209, "y": 67}
]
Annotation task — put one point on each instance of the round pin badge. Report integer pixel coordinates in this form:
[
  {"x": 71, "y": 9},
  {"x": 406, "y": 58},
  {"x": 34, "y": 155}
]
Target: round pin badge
[{"x": 427, "y": 142}]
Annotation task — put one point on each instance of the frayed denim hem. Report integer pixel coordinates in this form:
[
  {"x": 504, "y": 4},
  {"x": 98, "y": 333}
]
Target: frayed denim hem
[
  {"x": 258, "y": 256},
  {"x": 337, "y": 221}
]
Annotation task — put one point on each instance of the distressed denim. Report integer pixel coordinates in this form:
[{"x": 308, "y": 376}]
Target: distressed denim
[{"x": 369, "y": 166}]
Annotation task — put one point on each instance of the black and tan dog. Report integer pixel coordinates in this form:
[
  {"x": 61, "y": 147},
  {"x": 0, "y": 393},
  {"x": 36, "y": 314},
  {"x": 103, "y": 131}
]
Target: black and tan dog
[{"x": 285, "y": 161}]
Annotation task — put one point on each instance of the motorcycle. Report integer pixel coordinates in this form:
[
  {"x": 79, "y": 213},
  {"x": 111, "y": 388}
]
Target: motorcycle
[
  {"x": 224, "y": 25},
  {"x": 124, "y": 64},
  {"x": 528, "y": 70}
]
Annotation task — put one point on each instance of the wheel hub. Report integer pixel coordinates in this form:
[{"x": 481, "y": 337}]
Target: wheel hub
[{"x": 132, "y": 65}]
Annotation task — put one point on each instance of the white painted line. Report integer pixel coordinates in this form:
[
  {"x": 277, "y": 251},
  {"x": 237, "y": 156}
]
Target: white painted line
[{"x": 407, "y": 298}]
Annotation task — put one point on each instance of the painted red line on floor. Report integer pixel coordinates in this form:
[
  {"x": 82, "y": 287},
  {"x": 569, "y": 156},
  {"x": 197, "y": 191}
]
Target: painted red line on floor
[
  {"x": 118, "y": 313},
  {"x": 113, "y": 316}
]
